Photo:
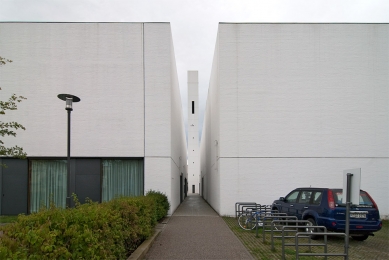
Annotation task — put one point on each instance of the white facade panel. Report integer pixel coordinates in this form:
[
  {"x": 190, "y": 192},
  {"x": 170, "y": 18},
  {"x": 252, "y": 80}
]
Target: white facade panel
[
  {"x": 228, "y": 92},
  {"x": 157, "y": 175},
  {"x": 209, "y": 146},
  {"x": 298, "y": 104},
  {"x": 164, "y": 125},
  {"x": 157, "y": 89},
  {"x": 175, "y": 187},
  {"x": 126, "y": 77},
  {"x": 178, "y": 140},
  {"x": 193, "y": 132},
  {"x": 264, "y": 180},
  {"x": 304, "y": 90},
  {"x": 100, "y": 63}
]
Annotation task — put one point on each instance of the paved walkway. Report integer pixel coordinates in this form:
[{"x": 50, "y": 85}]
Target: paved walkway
[{"x": 196, "y": 231}]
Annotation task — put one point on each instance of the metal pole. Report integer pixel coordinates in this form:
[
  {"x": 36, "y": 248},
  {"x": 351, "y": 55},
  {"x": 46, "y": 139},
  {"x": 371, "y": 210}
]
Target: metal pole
[
  {"x": 68, "y": 166},
  {"x": 348, "y": 205}
]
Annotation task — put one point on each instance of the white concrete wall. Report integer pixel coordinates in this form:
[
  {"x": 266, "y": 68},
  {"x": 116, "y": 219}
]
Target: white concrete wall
[
  {"x": 299, "y": 103},
  {"x": 157, "y": 48},
  {"x": 102, "y": 63},
  {"x": 324, "y": 85},
  {"x": 126, "y": 77},
  {"x": 178, "y": 137},
  {"x": 193, "y": 132},
  {"x": 209, "y": 145},
  {"x": 265, "y": 179},
  {"x": 164, "y": 124}
]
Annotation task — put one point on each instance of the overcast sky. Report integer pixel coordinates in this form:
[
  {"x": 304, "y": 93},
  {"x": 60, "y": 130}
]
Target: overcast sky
[{"x": 194, "y": 22}]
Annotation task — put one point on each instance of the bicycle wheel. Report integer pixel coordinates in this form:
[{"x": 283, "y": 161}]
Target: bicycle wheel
[{"x": 246, "y": 221}]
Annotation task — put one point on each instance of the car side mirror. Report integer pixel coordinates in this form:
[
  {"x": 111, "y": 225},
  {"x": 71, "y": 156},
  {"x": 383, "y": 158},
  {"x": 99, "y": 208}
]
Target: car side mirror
[{"x": 282, "y": 199}]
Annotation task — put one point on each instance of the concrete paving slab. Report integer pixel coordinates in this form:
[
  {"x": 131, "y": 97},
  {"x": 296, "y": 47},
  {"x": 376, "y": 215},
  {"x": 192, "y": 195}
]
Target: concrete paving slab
[
  {"x": 196, "y": 231},
  {"x": 194, "y": 205}
]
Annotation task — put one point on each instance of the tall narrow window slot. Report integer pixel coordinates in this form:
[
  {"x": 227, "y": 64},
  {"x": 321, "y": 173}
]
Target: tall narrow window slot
[{"x": 192, "y": 107}]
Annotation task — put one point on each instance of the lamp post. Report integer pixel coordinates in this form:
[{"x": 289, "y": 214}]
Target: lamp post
[{"x": 69, "y": 99}]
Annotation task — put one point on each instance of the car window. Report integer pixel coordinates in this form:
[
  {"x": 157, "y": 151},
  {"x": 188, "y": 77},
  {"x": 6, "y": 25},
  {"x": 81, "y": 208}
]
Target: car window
[
  {"x": 305, "y": 197},
  {"x": 292, "y": 197},
  {"x": 338, "y": 195},
  {"x": 364, "y": 200},
  {"x": 317, "y": 197}
]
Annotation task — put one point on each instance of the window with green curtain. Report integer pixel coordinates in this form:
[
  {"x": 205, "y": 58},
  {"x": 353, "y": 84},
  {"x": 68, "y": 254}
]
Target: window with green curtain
[
  {"x": 48, "y": 183},
  {"x": 122, "y": 178}
]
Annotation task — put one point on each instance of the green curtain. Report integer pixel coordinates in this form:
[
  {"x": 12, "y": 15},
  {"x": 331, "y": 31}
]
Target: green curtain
[
  {"x": 122, "y": 178},
  {"x": 48, "y": 182}
]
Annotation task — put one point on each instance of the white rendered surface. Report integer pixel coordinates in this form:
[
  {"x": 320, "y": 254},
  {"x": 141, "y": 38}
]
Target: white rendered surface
[
  {"x": 298, "y": 104},
  {"x": 210, "y": 174},
  {"x": 164, "y": 127},
  {"x": 102, "y": 63},
  {"x": 126, "y": 77},
  {"x": 193, "y": 132}
]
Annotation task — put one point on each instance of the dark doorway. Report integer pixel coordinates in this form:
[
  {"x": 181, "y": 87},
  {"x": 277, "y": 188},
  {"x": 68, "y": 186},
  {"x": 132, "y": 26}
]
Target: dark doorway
[
  {"x": 181, "y": 190},
  {"x": 193, "y": 188},
  {"x": 202, "y": 187},
  {"x": 14, "y": 187},
  {"x": 186, "y": 187}
]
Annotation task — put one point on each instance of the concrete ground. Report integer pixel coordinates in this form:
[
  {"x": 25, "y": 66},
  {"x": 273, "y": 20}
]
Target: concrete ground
[{"x": 196, "y": 231}]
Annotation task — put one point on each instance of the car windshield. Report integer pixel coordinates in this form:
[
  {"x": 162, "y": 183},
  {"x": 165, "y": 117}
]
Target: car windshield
[{"x": 364, "y": 199}]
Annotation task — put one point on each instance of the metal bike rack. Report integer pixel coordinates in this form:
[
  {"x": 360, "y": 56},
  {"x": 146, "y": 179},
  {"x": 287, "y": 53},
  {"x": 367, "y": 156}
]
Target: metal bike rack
[
  {"x": 273, "y": 215},
  {"x": 325, "y": 254},
  {"x": 292, "y": 228},
  {"x": 257, "y": 210},
  {"x": 269, "y": 214},
  {"x": 264, "y": 209},
  {"x": 306, "y": 236},
  {"x": 240, "y": 205}
]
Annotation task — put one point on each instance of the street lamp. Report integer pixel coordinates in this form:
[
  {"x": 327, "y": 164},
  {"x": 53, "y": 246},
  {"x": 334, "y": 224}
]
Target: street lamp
[{"x": 69, "y": 99}]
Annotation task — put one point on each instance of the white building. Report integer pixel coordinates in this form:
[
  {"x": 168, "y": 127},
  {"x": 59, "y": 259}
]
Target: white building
[
  {"x": 289, "y": 105},
  {"x": 129, "y": 120},
  {"x": 193, "y": 132},
  {"x": 293, "y": 105}
]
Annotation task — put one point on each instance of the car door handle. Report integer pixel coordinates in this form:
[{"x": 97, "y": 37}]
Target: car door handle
[
  {"x": 305, "y": 207},
  {"x": 291, "y": 205}
]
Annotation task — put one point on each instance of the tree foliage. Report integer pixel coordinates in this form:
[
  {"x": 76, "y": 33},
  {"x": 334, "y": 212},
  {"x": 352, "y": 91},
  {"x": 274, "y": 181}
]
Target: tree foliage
[{"x": 9, "y": 128}]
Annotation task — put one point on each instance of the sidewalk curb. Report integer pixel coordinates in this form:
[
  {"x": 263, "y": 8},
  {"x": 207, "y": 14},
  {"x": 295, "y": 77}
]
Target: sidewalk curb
[{"x": 142, "y": 250}]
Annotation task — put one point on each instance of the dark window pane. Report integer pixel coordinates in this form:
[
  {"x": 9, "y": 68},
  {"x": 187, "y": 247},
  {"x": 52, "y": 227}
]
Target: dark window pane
[{"x": 292, "y": 197}]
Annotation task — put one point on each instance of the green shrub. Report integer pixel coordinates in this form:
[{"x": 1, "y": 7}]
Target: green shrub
[
  {"x": 138, "y": 219},
  {"x": 162, "y": 201},
  {"x": 109, "y": 230}
]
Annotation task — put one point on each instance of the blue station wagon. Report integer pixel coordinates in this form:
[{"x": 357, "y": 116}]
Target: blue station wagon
[{"x": 324, "y": 207}]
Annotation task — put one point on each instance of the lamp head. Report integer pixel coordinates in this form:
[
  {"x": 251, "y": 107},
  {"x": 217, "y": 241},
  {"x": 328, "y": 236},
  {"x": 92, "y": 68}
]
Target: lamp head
[{"x": 69, "y": 99}]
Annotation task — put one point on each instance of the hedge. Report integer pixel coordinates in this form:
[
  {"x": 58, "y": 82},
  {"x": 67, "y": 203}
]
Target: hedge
[{"x": 109, "y": 230}]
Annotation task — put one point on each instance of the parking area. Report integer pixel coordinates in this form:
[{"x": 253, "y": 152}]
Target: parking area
[{"x": 375, "y": 247}]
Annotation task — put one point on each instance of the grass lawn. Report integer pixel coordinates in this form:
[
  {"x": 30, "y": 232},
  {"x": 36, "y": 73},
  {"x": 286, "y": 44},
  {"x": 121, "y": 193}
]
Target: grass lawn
[{"x": 376, "y": 246}]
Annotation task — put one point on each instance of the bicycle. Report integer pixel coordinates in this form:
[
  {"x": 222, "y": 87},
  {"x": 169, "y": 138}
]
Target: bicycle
[{"x": 250, "y": 219}]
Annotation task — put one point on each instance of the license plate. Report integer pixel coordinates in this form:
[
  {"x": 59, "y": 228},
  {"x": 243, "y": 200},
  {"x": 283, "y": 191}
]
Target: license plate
[{"x": 360, "y": 214}]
